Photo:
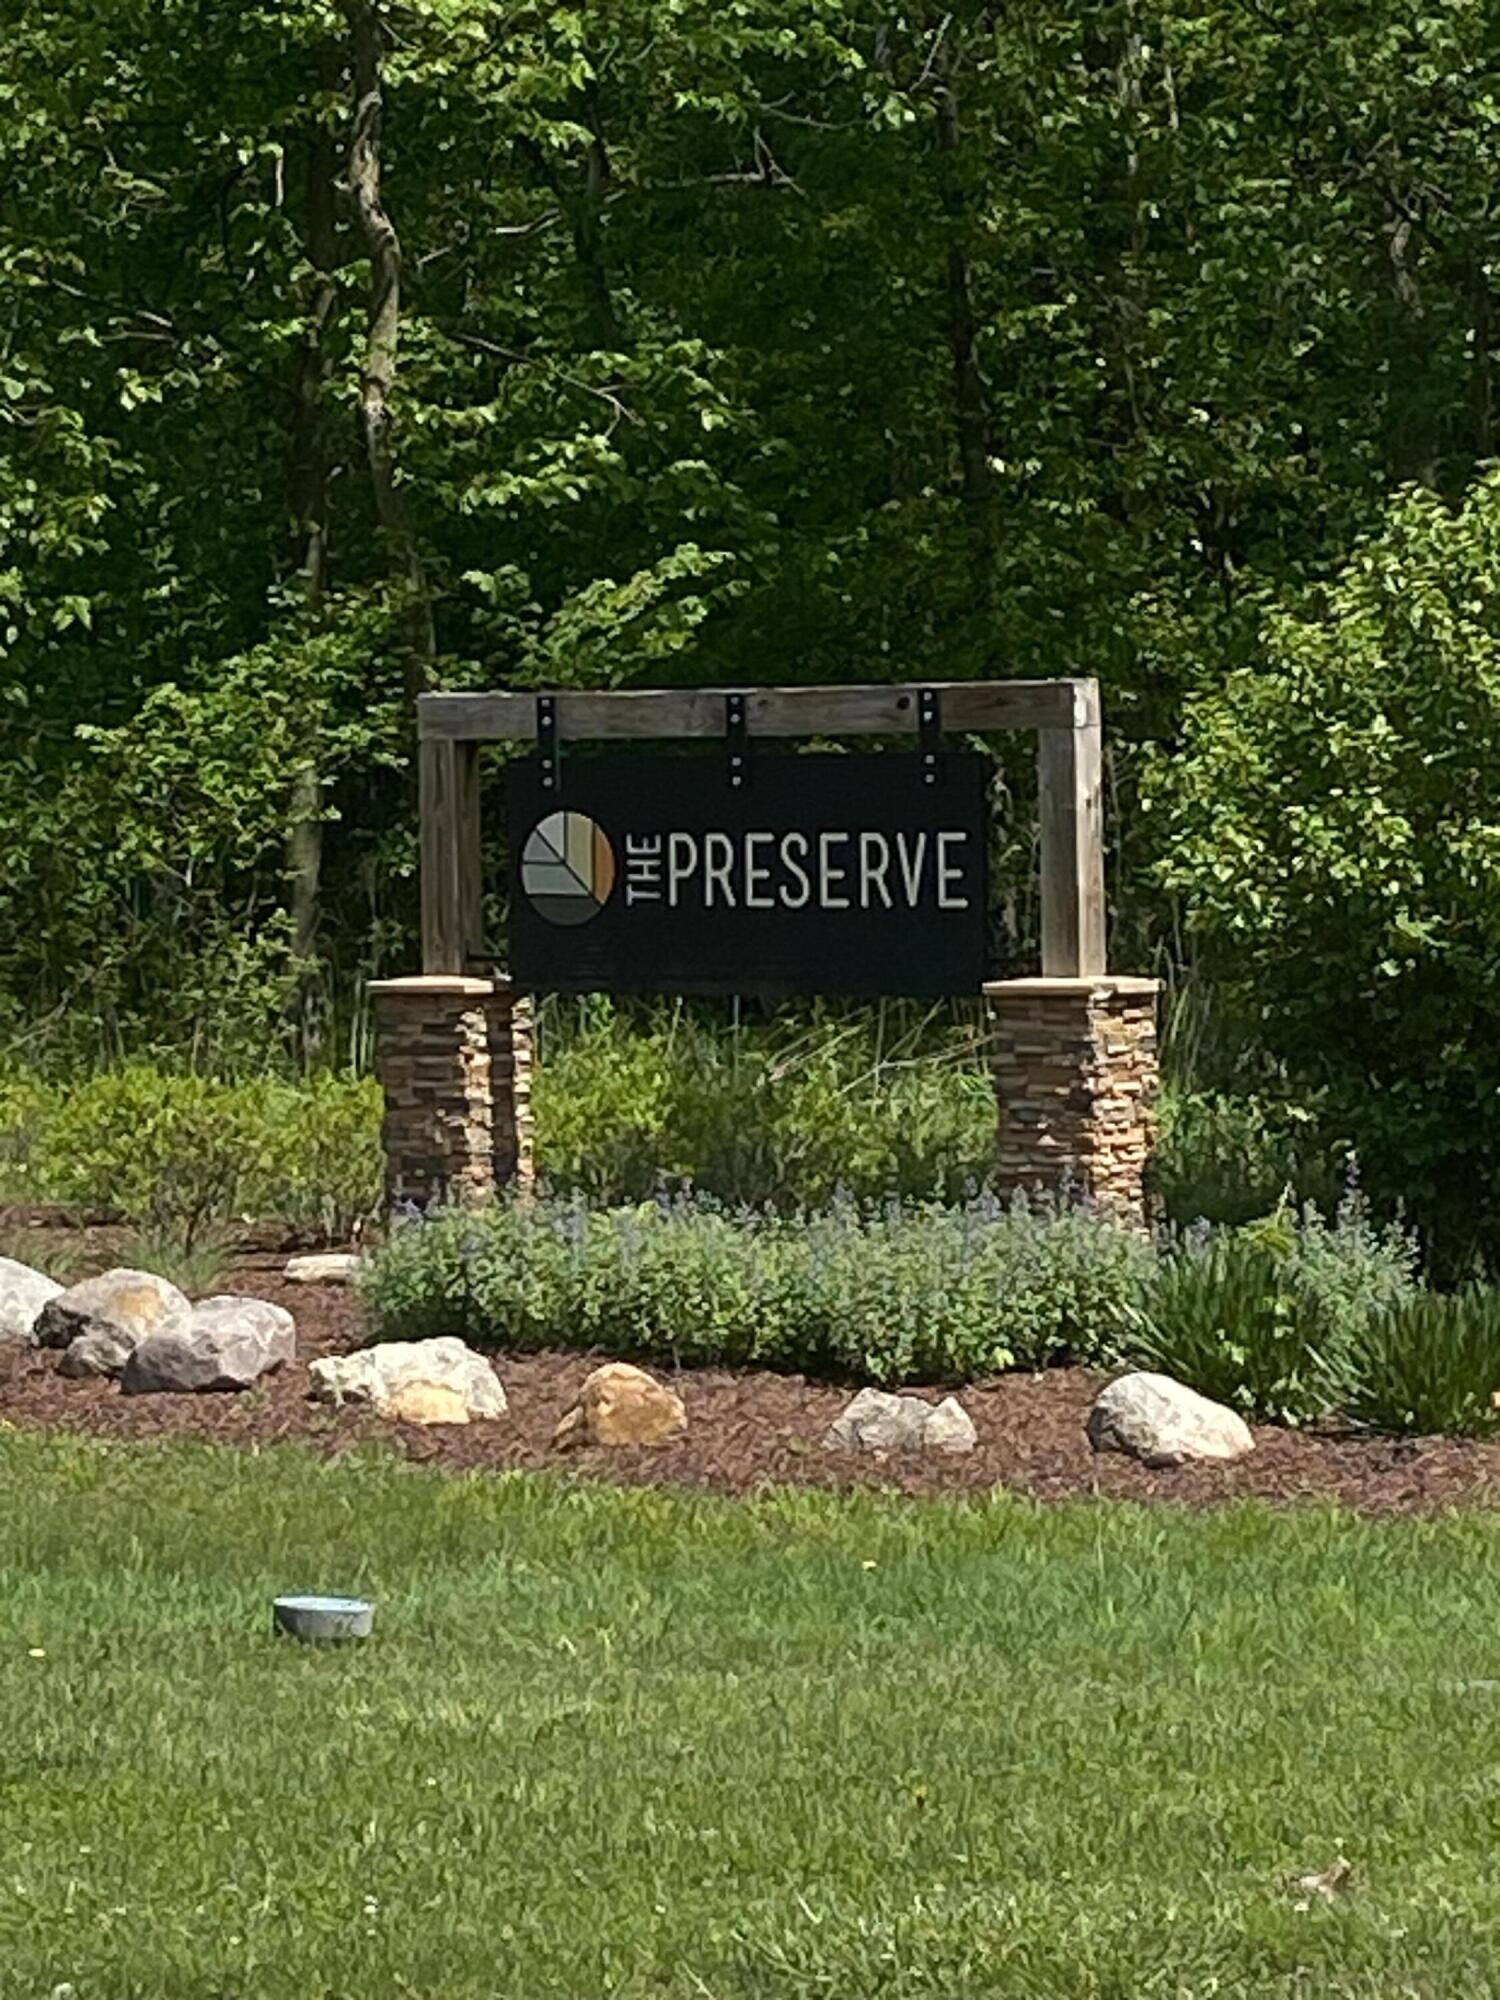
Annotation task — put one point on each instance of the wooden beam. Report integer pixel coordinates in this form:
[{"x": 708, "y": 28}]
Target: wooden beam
[
  {"x": 646, "y": 714},
  {"x": 1070, "y": 772},
  {"x": 452, "y": 882}
]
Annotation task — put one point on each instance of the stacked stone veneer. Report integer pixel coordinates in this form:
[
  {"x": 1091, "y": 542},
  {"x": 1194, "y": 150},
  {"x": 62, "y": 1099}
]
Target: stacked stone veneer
[
  {"x": 1074, "y": 1063},
  {"x": 454, "y": 1060}
]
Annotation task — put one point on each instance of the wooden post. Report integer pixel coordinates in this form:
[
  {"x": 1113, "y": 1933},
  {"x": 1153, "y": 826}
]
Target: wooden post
[
  {"x": 1070, "y": 771},
  {"x": 452, "y": 881}
]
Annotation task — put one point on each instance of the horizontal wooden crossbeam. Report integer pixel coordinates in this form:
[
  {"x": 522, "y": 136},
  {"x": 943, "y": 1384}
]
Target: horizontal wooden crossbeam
[{"x": 647, "y": 714}]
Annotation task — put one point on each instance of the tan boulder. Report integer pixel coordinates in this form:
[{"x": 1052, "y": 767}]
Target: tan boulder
[{"x": 620, "y": 1405}]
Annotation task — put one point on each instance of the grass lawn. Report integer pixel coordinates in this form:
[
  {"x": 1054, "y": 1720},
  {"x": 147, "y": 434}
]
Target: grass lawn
[{"x": 635, "y": 1744}]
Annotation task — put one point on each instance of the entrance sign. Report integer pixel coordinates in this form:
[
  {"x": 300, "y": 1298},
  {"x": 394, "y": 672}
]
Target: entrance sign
[
  {"x": 860, "y": 875},
  {"x": 1064, "y": 714}
]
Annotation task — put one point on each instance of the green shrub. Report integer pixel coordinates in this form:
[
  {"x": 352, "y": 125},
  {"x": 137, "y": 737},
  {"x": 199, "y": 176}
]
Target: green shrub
[
  {"x": 182, "y": 1155},
  {"x": 1267, "y": 1319},
  {"x": 892, "y": 1295},
  {"x": 1430, "y": 1364},
  {"x": 1327, "y": 816}
]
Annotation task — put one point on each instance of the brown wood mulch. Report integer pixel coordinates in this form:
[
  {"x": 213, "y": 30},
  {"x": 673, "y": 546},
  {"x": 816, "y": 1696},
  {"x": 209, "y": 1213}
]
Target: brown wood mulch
[{"x": 751, "y": 1429}]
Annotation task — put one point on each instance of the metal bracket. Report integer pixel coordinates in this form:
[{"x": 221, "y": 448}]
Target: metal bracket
[
  {"x": 546, "y": 742},
  {"x": 737, "y": 729},
  {"x": 930, "y": 731}
]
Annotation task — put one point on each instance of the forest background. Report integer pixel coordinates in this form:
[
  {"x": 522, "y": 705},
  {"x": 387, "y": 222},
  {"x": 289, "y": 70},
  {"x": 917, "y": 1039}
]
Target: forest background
[{"x": 348, "y": 351}]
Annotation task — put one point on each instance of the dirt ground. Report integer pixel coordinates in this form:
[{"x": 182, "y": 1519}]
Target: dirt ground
[{"x": 748, "y": 1429}]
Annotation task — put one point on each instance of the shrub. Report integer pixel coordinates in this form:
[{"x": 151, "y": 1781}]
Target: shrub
[
  {"x": 182, "y": 1155},
  {"x": 1267, "y": 1319},
  {"x": 1327, "y": 816},
  {"x": 897, "y": 1294},
  {"x": 1430, "y": 1364}
]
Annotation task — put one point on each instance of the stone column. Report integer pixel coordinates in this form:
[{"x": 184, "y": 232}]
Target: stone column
[
  {"x": 453, "y": 1056},
  {"x": 1074, "y": 1063}
]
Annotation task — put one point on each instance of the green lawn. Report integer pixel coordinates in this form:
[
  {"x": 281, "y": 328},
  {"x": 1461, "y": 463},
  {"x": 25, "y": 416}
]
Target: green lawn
[{"x": 633, "y": 1744}]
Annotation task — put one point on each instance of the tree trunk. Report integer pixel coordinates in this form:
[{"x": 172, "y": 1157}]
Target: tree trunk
[
  {"x": 309, "y": 507},
  {"x": 970, "y": 399},
  {"x": 1482, "y": 395},
  {"x": 1411, "y": 430},
  {"x": 384, "y": 333}
]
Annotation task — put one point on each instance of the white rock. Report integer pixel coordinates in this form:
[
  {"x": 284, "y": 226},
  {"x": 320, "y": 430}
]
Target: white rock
[
  {"x": 1162, "y": 1422},
  {"x": 379, "y": 1375},
  {"x": 949, "y": 1428},
  {"x": 123, "y": 1305},
  {"x": 23, "y": 1293},
  {"x": 323, "y": 1267},
  {"x": 228, "y": 1344},
  {"x": 879, "y": 1421}
]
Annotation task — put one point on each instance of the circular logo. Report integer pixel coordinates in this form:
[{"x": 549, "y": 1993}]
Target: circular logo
[{"x": 567, "y": 868}]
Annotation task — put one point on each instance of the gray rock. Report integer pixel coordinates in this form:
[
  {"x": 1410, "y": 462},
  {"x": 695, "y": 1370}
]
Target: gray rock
[
  {"x": 99, "y": 1352},
  {"x": 324, "y": 1267},
  {"x": 879, "y": 1421},
  {"x": 381, "y": 1377},
  {"x": 128, "y": 1305},
  {"x": 23, "y": 1293},
  {"x": 949, "y": 1428},
  {"x": 228, "y": 1344},
  {"x": 1162, "y": 1422}
]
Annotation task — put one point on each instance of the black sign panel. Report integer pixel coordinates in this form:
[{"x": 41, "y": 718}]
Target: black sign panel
[{"x": 819, "y": 874}]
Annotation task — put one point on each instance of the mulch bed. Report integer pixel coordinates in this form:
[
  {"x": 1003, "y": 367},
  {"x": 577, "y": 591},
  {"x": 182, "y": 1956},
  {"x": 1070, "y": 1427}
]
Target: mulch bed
[{"x": 750, "y": 1429}]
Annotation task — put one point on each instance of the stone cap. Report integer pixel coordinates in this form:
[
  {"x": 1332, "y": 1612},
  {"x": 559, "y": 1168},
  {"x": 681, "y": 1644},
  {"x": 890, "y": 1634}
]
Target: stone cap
[
  {"x": 1099, "y": 982},
  {"x": 442, "y": 982}
]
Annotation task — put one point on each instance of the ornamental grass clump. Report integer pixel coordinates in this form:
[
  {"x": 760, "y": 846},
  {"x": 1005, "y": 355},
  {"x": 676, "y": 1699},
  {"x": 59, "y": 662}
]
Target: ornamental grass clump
[
  {"x": 1430, "y": 1364},
  {"x": 1268, "y": 1318},
  {"x": 899, "y": 1293}
]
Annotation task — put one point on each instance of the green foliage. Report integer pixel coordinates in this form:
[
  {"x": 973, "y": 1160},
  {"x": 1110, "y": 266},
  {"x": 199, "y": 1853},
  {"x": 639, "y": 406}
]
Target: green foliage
[
  {"x": 1268, "y": 1319},
  {"x": 182, "y": 1154},
  {"x": 1228, "y": 1158},
  {"x": 790, "y": 340},
  {"x": 899, "y": 1294},
  {"x": 1330, "y": 823},
  {"x": 629, "y": 1102},
  {"x": 1430, "y": 1364},
  {"x": 1222, "y": 1320}
]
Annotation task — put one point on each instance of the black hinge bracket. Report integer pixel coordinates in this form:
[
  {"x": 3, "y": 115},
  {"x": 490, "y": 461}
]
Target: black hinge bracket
[
  {"x": 548, "y": 753},
  {"x": 737, "y": 731},
  {"x": 930, "y": 731}
]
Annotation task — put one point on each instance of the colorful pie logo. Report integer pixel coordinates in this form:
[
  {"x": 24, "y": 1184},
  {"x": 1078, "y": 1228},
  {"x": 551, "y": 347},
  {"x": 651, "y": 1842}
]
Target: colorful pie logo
[{"x": 567, "y": 868}]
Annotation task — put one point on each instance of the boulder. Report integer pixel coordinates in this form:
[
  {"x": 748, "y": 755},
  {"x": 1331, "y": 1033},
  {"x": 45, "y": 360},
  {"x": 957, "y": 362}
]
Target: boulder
[
  {"x": 949, "y": 1428},
  {"x": 23, "y": 1293},
  {"x": 228, "y": 1344},
  {"x": 101, "y": 1351},
  {"x": 879, "y": 1421},
  {"x": 1162, "y": 1422},
  {"x": 380, "y": 1376},
  {"x": 127, "y": 1306},
  {"x": 618, "y": 1405},
  {"x": 324, "y": 1267}
]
